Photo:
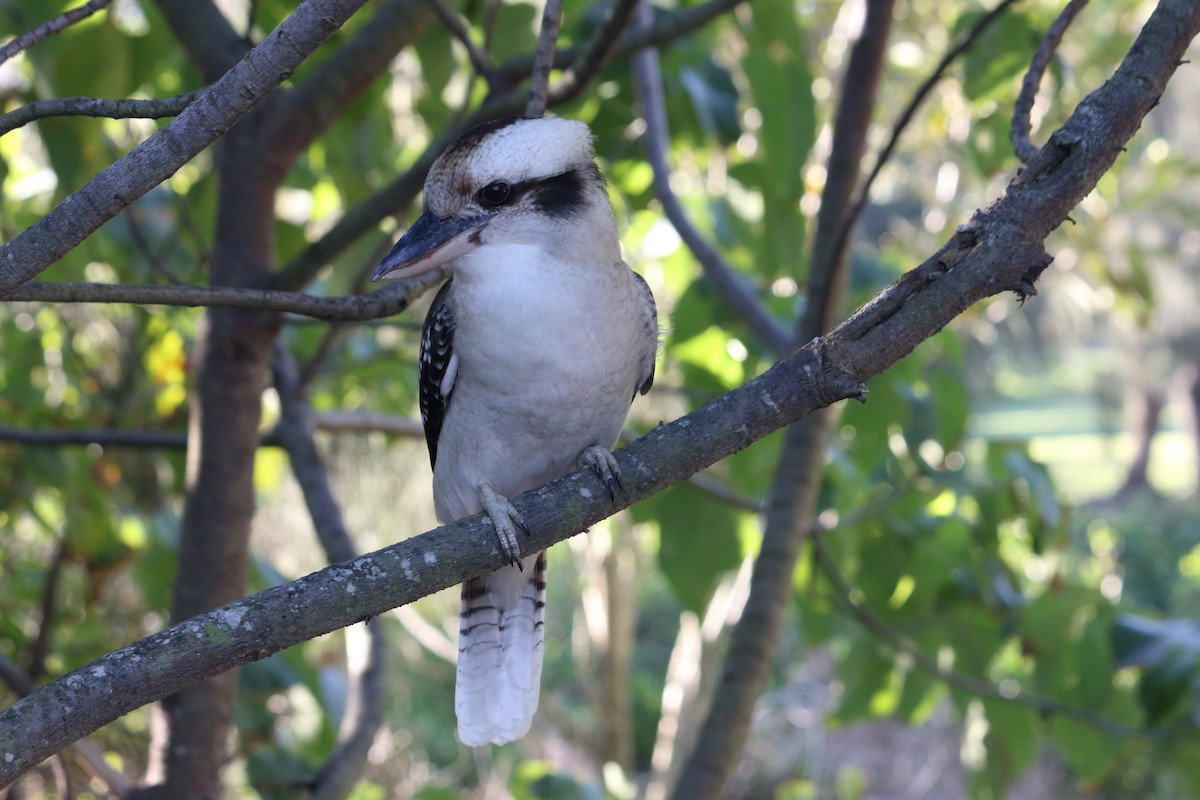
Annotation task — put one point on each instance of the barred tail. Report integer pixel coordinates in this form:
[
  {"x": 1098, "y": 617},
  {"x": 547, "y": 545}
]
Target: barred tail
[{"x": 500, "y": 640}]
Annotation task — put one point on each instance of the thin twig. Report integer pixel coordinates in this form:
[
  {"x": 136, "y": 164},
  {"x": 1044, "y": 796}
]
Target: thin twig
[
  {"x": 958, "y": 680},
  {"x": 732, "y": 286},
  {"x": 331, "y": 421},
  {"x": 123, "y": 108},
  {"x": 1023, "y": 146},
  {"x": 157, "y": 264},
  {"x": 539, "y": 82},
  {"x": 965, "y": 42},
  {"x": 669, "y": 26},
  {"x": 596, "y": 54},
  {"x": 344, "y": 308},
  {"x": 393, "y": 198},
  {"x": 480, "y": 60},
  {"x": 46, "y": 29}
]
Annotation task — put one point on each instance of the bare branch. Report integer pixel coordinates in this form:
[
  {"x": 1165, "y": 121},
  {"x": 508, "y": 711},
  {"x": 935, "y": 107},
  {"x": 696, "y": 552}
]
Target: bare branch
[
  {"x": 95, "y": 107},
  {"x": 346, "y": 308},
  {"x": 70, "y": 17},
  {"x": 1023, "y": 146},
  {"x": 669, "y": 27},
  {"x": 725, "y": 279},
  {"x": 596, "y": 54},
  {"x": 543, "y": 62},
  {"x": 153, "y": 161}
]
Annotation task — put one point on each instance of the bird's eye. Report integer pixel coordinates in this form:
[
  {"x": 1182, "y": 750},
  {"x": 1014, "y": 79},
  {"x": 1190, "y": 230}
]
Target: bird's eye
[{"x": 495, "y": 194}]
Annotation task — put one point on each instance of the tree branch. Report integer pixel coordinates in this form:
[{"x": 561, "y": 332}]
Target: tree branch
[
  {"x": 543, "y": 60},
  {"x": 999, "y": 250},
  {"x": 150, "y": 163},
  {"x": 385, "y": 302},
  {"x": 731, "y": 285},
  {"x": 87, "y": 751},
  {"x": 209, "y": 38},
  {"x": 95, "y": 107},
  {"x": 341, "y": 78},
  {"x": 597, "y": 53},
  {"x": 1021, "y": 125},
  {"x": 46, "y": 29}
]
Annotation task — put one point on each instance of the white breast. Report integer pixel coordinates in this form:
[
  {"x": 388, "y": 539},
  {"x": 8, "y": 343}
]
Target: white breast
[{"x": 549, "y": 359}]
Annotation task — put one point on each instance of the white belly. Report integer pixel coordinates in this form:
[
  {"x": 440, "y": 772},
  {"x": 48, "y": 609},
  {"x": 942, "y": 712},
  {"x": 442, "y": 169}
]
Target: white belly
[{"x": 544, "y": 373}]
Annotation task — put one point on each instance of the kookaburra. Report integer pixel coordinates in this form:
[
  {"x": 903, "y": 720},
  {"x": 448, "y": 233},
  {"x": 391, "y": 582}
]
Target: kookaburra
[{"x": 530, "y": 357}]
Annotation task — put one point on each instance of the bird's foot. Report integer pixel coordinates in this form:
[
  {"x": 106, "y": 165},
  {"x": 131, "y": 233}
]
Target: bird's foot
[
  {"x": 605, "y": 464},
  {"x": 505, "y": 519}
]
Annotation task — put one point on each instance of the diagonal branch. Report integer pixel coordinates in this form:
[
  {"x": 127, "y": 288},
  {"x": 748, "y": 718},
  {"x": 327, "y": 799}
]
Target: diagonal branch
[
  {"x": 734, "y": 288},
  {"x": 153, "y": 161},
  {"x": 999, "y": 250},
  {"x": 87, "y": 751},
  {"x": 70, "y": 17}
]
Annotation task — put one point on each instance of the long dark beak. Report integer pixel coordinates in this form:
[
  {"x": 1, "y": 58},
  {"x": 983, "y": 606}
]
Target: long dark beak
[{"x": 429, "y": 243}]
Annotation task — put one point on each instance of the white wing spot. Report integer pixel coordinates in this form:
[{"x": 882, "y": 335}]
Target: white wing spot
[
  {"x": 406, "y": 565},
  {"x": 351, "y": 588},
  {"x": 430, "y": 558}
]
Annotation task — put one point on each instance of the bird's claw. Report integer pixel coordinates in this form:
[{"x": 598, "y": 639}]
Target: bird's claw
[
  {"x": 505, "y": 519},
  {"x": 605, "y": 465}
]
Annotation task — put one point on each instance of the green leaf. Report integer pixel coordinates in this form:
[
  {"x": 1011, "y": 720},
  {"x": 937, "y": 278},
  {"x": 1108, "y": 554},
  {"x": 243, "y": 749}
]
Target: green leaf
[
  {"x": 1011, "y": 740},
  {"x": 1090, "y": 752},
  {"x": 998, "y": 56},
  {"x": 714, "y": 99},
  {"x": 699, "y": 541}
]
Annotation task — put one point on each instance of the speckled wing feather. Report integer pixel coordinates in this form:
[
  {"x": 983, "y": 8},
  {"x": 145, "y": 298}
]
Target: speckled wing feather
[
  {"x": 647, "y": 379},
  {"x": 438, "y": 367}
]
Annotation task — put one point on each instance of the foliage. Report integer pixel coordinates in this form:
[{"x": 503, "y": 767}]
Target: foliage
[{"x": 1077, "y": 619}]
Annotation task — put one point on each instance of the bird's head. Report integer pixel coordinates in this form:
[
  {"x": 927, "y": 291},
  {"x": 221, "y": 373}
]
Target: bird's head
[{"x": 515, "y": 181}]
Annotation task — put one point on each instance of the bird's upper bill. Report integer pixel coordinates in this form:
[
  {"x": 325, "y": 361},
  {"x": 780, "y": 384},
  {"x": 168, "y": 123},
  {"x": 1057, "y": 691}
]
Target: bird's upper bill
[{"x": 429, "y": 243}]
